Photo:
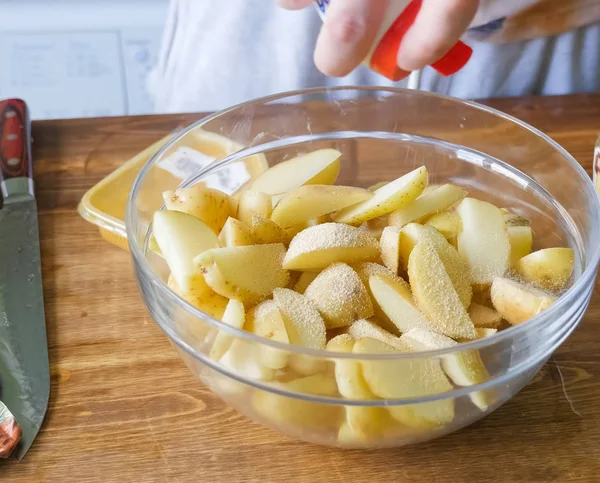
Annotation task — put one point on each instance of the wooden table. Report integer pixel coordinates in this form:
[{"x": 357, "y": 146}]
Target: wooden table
[{"x": 124, "y": 407}]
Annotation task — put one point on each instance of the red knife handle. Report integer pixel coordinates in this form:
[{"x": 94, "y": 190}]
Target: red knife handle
[{"x": 15, "y": 141}]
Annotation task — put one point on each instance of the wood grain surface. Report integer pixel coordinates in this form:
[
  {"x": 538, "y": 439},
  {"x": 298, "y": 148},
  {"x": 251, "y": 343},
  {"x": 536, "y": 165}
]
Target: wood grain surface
[{"x": 124, "y": 408}]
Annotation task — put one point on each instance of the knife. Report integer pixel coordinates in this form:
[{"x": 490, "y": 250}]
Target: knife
[{"x": 24, "y": 370}]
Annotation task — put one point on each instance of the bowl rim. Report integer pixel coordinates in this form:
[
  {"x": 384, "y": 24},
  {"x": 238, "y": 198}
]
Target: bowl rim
[{"x": 585, "y": 279}]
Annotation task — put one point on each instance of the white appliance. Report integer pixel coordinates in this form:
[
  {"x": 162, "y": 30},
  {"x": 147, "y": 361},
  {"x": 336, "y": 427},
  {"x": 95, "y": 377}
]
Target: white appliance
[{"x": 80, "y": 58}]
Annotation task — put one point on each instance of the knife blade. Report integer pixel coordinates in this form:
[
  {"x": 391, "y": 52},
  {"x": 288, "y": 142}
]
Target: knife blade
[{"x": 24, "y": 368}]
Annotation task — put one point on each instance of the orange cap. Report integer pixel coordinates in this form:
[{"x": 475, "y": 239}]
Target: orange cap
[{"x": 384, "y": 58}]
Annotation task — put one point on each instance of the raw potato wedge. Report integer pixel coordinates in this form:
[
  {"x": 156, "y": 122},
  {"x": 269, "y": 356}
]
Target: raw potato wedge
[
  {"x": 448, "y": 223},
  {"x": 436, "y": 200},
  {"x": 153, "y": 246},
  {"x": 265, "y": 231},
  {"x": 340, "y": 296},
  {"x": 485, "y": 332},
  {"x": 375, "y": 226},
  {"x": 209, "y": 205},
  {"x": 319, "y": 246},
  {"x": 304, "y": 281},
  {"x": 303, "y": 323},
  {"x": 318, "y": 167},
  {"x": 484, "y": 317},
  {"x": 365, "y": 270},
  {"x": 365, "y": 328},
  {"x": 521, "y": 242},
  {"x": 518, "y": 302},
  {"x": 235, "y": 234},
  {"x": 312, "y": 201},
  {"x": 463, "y": 368},
  {"x": 483, "y": 242},
  {"x": 210, "y": 302},
  {"x": 456, "y": 268},
  {"x": 396, "y": 300},
  {"x": 389, "y": 244},
  {"x": 181, "y": 237},
  {"x": 297, "y": 413},
  {"x": 514, "y": 220},
  {"x": 386, "y": 199},
  {"x": 550, "y": 268},
  {"x": 249, "y": 274},
  {"x": 234, "y": 316},
  {"x": 435, "y": 294},
  {"x": 254, "y": 203},
  {"x": 266, "y": 321},
  {"x": 243, "y": 358},
  {"x": 410, "y": 378}
]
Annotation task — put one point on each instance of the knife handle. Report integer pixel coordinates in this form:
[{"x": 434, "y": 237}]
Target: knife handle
[{"x": 16, "y": 168}]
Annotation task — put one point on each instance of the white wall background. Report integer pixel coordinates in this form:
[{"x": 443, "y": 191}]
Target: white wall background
[{"x": 79, "y": 58}]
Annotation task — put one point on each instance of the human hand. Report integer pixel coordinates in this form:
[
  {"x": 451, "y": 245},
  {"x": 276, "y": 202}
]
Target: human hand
[{"x": 350, "y": 28}]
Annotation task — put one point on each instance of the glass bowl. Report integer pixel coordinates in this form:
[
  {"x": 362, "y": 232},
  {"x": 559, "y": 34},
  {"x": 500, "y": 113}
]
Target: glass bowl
[{"x": 382, "y": 133}]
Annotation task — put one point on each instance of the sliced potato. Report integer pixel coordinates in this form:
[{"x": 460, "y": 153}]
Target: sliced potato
[
  {"x": 409, "y": 378},
  {"x": 484, "y": 317},
  {"x": 435, "y": 294},
  {"x": 463, "y": 368},
  {"x": 485, "y": 332},
  {"x": 386, "y": 199},
  {"x": 235, "y": 234},
  {"x": 312, "y": 201},
  {"x": 521, "y": 242},
  {"x": 483, "y": 242},
  {"x": 448, "y": 223},
  {"x": 389, "y": 244},
  {"x": 297, "y": 413},
  {"x": 243, "y": 358},
  {"x": 455, "y": 266},
  {"x": 396, "y": 300},
  {"x": 181, "y": 237},
  {"x": 234, "y": 316},
  {"x": 254, "y": 203},
  {"x": 550, "y": 268},
  {"x": 366, "y": 328},
  {"x": 348, "y": 374},
  {"x": 518, "y": 302},
  {"x": 209, "y": 205},
  {"x": 375, "y": 226},
  {"x": 340, "y": 296},
  {"x": 210, "y": 302},
  {"x": 248, "y": 273},
  {"x": 265, "y": 231},
  {"x": 153, "y": 246},
  {"x": 514, "y": 220},
  {"x": 304, "y": 281},
  {"x": 318, "y": 167},
  {"x": 319, "y": 246},
  {"x": 434, "y": 201},
  {"x": 303, "y": 323},
  {"x": 266, "y": 321}
]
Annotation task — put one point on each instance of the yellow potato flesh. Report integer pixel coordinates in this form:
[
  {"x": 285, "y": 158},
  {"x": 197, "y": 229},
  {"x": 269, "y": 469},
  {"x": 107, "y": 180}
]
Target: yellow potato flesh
[
  {"x": 235, "y": 234},
  {"x": 366, "y": 328},
  {"x": 436, "y": 200},
  {"x": 407, "y": 378},
  {"x": 181, "y": 237},
  {"x": 254, "y": 203},
  {"x": 211, "y": 206},
  {"x": 265, "y": 231},
  {"x": 266, "y": 321},
  {"x": 304, "y": 281},
  {"x": 303, "y": 323},
  {"x": 484, "y": 317},
  {"x": 518, "y": 302},
  {"x": 319, "y": 246},
  {"x": 340, "y": 296},
  {"x": 550, "y": 268},
  {"x": 447, "y": 223},
  {"x": 463, "y": 368},
  {"x": 390, "y": 247},
  {"x": 392, "y": 196},
  {"x": 247, "y": 273},
  {"x": 435, "y": 294},
  {"x": 456, "y": 268},
  {"x": 233, "y": 316},
  {"x": 521, "y": 242},
  {"x": 312, "y": 201},
  {"x": 318, "y": 167},
  {"x": 483, "y": 241}
]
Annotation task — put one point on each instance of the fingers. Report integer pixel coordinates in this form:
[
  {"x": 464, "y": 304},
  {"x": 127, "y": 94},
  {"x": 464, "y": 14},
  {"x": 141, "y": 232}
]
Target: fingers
[
  {"x": 439, "y": 24},
  {"x": 294, "y": 4},
  {"x": 349, "y": 30}
]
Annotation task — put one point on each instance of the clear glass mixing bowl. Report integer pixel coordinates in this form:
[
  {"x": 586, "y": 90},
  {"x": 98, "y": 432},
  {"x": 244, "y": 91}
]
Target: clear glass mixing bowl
[{"x": 382, "y": 133}]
